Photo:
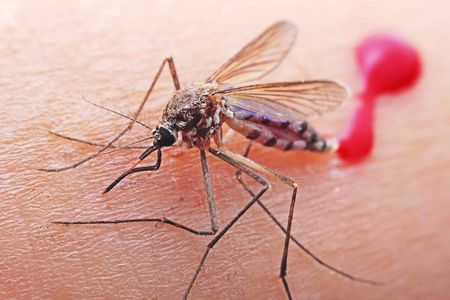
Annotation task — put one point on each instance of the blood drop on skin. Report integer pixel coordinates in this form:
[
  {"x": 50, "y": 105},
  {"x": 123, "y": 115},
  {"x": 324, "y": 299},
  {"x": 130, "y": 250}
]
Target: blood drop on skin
[{"x": 387, "y": 65}]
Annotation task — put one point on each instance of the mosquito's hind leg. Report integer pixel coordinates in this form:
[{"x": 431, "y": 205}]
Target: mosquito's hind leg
[
  {"x": 238, "y": 176},
  {"x": 266, "y": 171},
  {"x": 176, "y": 83}
]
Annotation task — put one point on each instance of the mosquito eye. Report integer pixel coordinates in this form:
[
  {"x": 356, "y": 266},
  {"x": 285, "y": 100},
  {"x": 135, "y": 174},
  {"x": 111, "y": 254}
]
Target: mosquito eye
[{"x": 166, "y": 137}]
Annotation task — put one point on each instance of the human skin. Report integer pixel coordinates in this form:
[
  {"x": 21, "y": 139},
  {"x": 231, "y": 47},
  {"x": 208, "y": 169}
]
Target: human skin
[{"x": 385, "y": 218}]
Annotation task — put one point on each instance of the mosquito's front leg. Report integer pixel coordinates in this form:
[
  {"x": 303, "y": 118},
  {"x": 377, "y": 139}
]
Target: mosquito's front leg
[
  {"x": 209, "y": 193},
  {"x": 176, "y": 84},
  {"x": 206, "y": 177},
  {"x": 90, "y": 143}
]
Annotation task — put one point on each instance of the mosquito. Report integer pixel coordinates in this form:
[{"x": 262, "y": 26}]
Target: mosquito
[{"x": 271, "y": 114}]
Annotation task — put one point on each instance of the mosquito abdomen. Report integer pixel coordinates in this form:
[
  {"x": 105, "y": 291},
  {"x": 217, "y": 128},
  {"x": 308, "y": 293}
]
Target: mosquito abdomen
[{"x": 280, "y": 134}]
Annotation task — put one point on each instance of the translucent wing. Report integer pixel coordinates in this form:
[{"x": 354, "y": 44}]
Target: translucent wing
[
  {"x": 287, "y": 100},
  {"x": 259, "y": 57}
]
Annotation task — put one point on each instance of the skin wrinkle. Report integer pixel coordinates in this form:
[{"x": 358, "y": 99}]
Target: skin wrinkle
[{"x": 383, "y": 219}]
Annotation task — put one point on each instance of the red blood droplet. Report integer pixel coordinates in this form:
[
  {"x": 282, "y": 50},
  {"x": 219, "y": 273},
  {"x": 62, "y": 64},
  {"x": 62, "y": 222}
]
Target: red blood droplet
[
  {"x": 388, "y": 65},
  {"x": 357, "y": 142}
]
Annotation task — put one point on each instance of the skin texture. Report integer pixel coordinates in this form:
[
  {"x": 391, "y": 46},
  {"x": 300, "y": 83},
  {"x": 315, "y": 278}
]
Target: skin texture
[{"x": 386, "y": 218}]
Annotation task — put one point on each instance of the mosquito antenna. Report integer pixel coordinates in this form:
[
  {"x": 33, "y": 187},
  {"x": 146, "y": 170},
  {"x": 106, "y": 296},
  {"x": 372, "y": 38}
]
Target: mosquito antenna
[
  {"x": 115, "y": 112},
  {"x": 129, "y": 146}
]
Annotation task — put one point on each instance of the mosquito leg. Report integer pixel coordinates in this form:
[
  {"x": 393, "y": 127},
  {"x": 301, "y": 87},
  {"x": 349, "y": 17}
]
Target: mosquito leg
[
  {"x": 206, "y": 176},
  {"x": 299, "y": 244},
  {"x": 209, "y": 193},
  {"x": 284, "y": 259},
  {"x": 211, "y": 203},
  {"x": 216, "y": 239},
  {"x": 141, "y": 220},
  {"x": 81, "y": 141},
  {"x": 73, "y": 139},
  {"x": 238, "y": 174},
  {"x": 268, "y": 172},
  {"x": 283, "y": 267},
  {"x": 312, "y": 255},
  {"x": 287, "y": 231},
  {"x": 176, "y": 83}
]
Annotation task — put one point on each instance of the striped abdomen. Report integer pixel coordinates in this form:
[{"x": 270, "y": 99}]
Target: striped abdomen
[{"x": 275, "y": 132}]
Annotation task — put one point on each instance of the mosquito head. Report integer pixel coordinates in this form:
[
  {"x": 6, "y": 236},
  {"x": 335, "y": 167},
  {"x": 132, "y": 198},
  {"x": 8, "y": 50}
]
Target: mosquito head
[{"x": 165, "y": 135}]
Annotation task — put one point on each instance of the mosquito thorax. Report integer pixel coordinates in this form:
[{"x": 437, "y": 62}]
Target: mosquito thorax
[
  {"x": 165, "y": 135},
  {"x": 194, "y": 112}
]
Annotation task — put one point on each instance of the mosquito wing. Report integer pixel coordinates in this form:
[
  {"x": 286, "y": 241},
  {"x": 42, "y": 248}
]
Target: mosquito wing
[
  {"x": 287, "y": 100},
  {"x": 259, "y": 57}
]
